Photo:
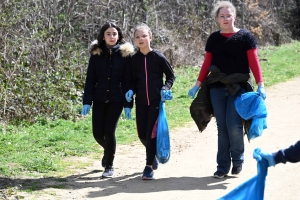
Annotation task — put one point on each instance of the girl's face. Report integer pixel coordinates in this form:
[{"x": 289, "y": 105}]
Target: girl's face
[
  {"x": 111, "y": 37},
  {"x": 226, "y": 19},
  {"x": 142, "y": 38}
]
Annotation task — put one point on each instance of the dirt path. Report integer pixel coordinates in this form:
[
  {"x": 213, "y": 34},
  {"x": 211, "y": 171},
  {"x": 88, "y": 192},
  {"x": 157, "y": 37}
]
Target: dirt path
[{"x": 188, "y": 174}]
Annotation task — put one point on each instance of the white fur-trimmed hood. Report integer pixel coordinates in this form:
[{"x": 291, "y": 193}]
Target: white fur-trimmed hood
[{"x": 126, "y": 49}]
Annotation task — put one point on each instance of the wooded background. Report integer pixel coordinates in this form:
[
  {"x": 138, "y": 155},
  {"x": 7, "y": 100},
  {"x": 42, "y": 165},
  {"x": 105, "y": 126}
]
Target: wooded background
[{"x": 44, "y": 44}]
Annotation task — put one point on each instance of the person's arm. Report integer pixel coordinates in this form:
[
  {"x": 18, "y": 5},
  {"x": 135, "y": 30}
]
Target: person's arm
[
  {"x": 291, "y": 154},
  {"x": 254, "y": 64},
  {"x": 204, "y": 69},
  {"x": 168, "y": 71},
  {"x": 127, "y": 82},
  {"x": 202, "y": 75},
  {"x": 256, "y": 70},
  {"x": 90, "y": 82}
]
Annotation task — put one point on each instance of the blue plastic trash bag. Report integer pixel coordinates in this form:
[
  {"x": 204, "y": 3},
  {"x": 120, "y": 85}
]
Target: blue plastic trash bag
[
  {"x": 251, "y": 106},
  {"x": 254, "y": 188},
  {"x": 257, "y": 127},
  {"x": 162, "y": 136}
]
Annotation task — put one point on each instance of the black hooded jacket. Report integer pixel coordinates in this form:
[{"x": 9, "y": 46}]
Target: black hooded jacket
[
  {"x": 109, "y": 75},
  {"x": 148, "y": 73}
]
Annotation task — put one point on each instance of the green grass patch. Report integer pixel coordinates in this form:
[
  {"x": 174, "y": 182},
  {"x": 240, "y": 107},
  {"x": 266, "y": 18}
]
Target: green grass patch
[
  {"x": 280, "y": 63},
  {"x": 42, "y": 149}
]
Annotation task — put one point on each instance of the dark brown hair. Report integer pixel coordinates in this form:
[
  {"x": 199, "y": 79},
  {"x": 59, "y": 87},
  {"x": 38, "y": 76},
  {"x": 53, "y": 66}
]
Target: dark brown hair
[{"x": 101, "y": 42}]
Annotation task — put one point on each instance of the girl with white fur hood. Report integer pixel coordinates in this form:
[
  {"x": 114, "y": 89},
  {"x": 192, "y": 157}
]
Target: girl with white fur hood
[{"x": 108, "y": 78}]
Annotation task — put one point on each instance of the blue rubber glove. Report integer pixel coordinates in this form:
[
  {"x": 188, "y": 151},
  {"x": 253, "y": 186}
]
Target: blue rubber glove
[
  {"x": 192, "y": 92},
  {"x": 127, "y": 113},
  {"x": 129, "y": 95},
  {"x": 85, "y": 110},
  {"x": 269, "y": 157},
  {"x": 258, "y": 155},
  {"x": 261, "y": 91},
  {"x": 166, "y": 95}
]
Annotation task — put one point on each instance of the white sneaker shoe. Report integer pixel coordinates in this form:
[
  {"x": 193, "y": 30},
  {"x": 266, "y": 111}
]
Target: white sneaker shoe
[{"x": 108, "y": 172}]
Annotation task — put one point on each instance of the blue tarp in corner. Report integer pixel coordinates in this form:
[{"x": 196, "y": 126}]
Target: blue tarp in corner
[{"x": 252, "y": 189}]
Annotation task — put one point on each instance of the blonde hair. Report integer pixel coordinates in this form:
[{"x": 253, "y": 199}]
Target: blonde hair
[
  {"x": 142, "y": 26},
  {"x": 222, "y": 4}
]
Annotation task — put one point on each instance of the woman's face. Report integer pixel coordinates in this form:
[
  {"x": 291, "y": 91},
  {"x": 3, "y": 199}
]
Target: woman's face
[
  {"x": 111, "y": 37},
  {"x": 226, "y": 19}
]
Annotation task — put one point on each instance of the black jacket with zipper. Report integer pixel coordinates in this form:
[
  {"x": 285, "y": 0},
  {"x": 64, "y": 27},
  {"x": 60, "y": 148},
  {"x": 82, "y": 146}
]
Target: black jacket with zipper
[
  {"x": 109, "y": 75},
  {"x": 148, "y": 75}
]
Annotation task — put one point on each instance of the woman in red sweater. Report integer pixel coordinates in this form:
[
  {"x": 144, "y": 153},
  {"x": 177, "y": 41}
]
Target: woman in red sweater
[{"x": 233, "y": 51}]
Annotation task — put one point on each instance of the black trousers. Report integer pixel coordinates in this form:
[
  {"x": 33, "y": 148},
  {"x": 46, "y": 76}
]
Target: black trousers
[
  {"x": 146, "y": 122},
  {"x": 105, "y": 118}
]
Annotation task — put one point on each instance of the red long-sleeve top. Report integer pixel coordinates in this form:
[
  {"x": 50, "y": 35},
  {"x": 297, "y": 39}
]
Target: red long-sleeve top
[{"x": 253, "y": 62}]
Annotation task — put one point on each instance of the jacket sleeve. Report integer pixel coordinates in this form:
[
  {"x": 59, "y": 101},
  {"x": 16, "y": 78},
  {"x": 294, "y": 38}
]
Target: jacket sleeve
[
  {"x": 90, "y": 82},
  {"x": 133, "y": 75},
  {"x": 168, "y": 71},
  {"x": 127, "y": 82},
  {"x": 291, "y": 154}
]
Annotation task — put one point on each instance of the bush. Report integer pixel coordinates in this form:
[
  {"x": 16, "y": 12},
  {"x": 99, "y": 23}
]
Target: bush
[{"x": 44, "y": 44}]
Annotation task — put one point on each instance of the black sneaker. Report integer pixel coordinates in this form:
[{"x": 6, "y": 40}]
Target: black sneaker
[
  {"x": 104, "y": 161},
  {"x": 108, "y": 172},
  {"x": 219, "y": 174},
  {"x": 236, "y": 170},
  {"x": 147, "y": 173}
]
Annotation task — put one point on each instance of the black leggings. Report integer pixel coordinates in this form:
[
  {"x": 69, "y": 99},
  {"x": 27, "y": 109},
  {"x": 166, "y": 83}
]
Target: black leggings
[
  {"x": 146, "y": 122},
  {"x": 105, "y": 118}
]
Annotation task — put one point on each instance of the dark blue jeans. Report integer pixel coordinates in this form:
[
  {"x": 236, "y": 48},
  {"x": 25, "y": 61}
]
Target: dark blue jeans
[{"x": 230, "y": 129}]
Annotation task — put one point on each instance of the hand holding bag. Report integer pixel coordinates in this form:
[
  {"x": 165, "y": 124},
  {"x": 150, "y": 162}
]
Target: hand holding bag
[{"x": 253, "y": 188}]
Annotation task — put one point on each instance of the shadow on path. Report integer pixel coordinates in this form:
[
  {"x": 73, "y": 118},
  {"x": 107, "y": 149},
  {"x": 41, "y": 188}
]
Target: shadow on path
[{"x": 120, "y": 184}]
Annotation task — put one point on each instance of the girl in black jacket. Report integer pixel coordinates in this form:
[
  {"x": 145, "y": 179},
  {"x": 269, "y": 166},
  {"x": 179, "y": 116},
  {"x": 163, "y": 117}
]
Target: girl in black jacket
[
  {"x": 108, "y": 77},
  {"x": 148, "y": 67}
]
